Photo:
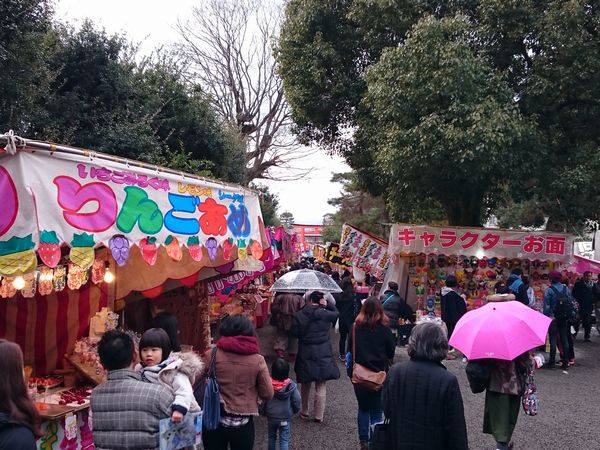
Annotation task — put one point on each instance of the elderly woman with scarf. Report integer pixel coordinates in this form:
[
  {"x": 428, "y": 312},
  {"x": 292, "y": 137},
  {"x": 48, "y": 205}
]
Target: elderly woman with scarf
[{"x": 244, "y": 379}]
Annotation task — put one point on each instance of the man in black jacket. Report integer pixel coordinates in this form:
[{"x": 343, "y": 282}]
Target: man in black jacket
[
  {"x": 586, "y": 292},
  {"x": 394, "y": 306}
]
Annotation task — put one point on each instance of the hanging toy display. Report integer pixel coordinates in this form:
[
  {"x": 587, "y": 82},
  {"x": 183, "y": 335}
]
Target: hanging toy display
[
  {"x": 7, "y": 288},
  {"x": 98, "y": 271},
  {"x": 75, "y": 276},
  {"x": 45, "y": 281},
  {"x": 60, "y": 278},
  {"x": 30, "y": 287}
]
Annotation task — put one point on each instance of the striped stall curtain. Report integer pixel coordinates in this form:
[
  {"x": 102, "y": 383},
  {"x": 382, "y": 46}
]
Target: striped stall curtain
[{"x": 47, "y": 326}]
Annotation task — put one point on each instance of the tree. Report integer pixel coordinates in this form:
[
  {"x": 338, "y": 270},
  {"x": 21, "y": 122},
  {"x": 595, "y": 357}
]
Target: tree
[
  {"x": 287, "y": 219},
  {"x": 228, "y": 47},
  {"x": 25, "y": 41},
  {"x": 544, "y": 51},
  {"x": 103, "y": 98},
  {"x": 269, "y": 203},
  {"x": 356, "y": 207},
  {"x": 442, "y": 122}
]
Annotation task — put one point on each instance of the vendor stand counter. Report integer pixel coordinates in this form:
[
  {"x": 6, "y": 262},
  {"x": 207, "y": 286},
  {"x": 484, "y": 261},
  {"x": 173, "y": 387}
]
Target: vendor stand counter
[{"x": 65, "y": 426}]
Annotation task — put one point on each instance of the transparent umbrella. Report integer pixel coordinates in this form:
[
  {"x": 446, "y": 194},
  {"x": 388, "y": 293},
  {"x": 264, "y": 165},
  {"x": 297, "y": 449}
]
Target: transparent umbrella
[{"x": 305, "y": 280}]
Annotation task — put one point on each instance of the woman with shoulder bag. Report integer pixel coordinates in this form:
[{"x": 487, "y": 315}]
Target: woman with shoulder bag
[
  {"x": 373, "y": 347},
  {"x": 243, "y": 378}
]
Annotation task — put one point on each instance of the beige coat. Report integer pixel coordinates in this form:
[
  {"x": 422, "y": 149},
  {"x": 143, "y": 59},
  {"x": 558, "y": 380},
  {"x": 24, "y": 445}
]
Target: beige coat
[{"x": 243, "y": 381}]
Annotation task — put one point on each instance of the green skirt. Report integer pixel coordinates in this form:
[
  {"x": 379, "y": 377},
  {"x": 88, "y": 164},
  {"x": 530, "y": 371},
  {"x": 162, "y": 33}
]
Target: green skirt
[{"x": 500, "y": 415}]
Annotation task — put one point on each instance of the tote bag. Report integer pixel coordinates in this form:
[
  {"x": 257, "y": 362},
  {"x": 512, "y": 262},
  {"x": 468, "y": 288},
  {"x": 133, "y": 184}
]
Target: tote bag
[{"x": 212, "y": 400}]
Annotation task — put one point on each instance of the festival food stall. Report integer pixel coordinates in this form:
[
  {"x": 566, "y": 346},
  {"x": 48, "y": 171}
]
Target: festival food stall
[
  {"x": 84, "y": 233},
  {"x": 422, "y": 256},
  {"x": 248, "y": 292}
]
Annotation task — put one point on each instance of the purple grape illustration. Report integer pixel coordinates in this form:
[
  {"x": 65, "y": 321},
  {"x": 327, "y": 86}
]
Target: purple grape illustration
[
  {"x": 119, "y": 247},
  {"x": 212, "y": 248}
]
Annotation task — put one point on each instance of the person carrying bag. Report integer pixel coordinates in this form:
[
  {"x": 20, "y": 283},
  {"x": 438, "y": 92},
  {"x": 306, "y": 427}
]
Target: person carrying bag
[
  {"x": 362, "y": 376},
  {"x": 373, "y": 347}
]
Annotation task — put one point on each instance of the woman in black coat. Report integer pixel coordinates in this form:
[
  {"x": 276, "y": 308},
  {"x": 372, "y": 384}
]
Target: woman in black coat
[
  {"x": 374, "y": 349},
  {"x": 422, "y": 399},
  {"x": 314, "y": 361}
]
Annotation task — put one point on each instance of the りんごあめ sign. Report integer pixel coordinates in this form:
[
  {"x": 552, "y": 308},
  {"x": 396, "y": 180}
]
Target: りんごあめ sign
[{"x": 82, "y": 199}]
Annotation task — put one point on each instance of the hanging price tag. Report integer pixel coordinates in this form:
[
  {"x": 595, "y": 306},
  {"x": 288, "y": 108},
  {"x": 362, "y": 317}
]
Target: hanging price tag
[{"x": 70, "y": 427}]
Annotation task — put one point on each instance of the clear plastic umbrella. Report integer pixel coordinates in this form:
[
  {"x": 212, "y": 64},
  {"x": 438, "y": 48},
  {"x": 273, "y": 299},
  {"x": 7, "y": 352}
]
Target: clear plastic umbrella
[{"x": 305, "y": 280}]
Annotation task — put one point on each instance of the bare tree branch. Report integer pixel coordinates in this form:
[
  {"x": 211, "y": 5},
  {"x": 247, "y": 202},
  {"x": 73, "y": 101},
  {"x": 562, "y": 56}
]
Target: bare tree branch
[{"x": 228, "y": 45}]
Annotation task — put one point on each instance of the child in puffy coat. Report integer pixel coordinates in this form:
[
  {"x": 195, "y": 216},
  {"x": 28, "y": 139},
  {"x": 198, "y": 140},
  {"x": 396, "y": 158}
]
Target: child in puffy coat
[
  {"x": 284, "y": 404},
  {"x": 176, "y": 371}
]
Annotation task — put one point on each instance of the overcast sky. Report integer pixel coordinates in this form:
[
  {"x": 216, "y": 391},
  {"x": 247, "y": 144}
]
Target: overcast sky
[{"x": 151, "y": 22}]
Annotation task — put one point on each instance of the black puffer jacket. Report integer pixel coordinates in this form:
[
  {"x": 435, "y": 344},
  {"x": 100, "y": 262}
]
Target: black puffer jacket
[
  {"x": 395, "y": 308},
  {"x": 424, "y": 404},
  {"x": 14, "y": 436},
  {"x": 314, "y": 361},
  {"x": 374, "y": 348}
]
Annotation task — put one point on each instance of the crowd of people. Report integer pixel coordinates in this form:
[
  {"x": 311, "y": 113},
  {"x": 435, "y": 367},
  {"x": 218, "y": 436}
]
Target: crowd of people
[{"x": 420, "y": 399}]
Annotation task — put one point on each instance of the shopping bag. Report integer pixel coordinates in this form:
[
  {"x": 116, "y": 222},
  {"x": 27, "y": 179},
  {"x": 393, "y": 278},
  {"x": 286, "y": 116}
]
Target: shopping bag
[
  {"x": 380, "y": 438},
  {"x": 187, "y": 433}
]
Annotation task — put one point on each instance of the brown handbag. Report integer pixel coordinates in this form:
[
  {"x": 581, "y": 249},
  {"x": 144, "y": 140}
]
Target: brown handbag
[{"x": 361, "y": 376}]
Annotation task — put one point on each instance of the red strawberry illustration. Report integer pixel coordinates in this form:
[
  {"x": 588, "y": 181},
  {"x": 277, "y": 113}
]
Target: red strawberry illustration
[
  {"x": 49, "y": 249},
  {"x": 149, "y": 250},
  {"x": 227, "y": 247},
  {"x": 194, "y": 247}
]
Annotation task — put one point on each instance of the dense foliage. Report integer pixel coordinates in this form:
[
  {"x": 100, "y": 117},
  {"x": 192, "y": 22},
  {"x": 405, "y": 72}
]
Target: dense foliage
[
  {"x": 460, "y": 107},
  {"x": 88, "y": 89}
]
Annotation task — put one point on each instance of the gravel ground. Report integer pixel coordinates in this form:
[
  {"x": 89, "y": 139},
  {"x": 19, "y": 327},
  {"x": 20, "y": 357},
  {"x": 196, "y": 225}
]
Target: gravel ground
[{"x": 568, "y": 418}]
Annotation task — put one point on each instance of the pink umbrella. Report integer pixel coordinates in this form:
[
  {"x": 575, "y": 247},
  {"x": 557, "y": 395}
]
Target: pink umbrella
[{"x": 500, "y": 330}]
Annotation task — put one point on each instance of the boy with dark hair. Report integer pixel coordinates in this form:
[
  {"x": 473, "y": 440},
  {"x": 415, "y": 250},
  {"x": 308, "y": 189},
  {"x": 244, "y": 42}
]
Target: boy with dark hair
[{"x": 282, "y": 406}]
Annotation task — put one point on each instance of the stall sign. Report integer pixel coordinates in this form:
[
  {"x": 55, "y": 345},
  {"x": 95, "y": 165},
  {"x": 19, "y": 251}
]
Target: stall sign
[
  {"x": 332, "y": 255},
  {"x": 481, "y": 242},
  {"x": 363, "y": 250},
  {"x": 53, "y": 198}
]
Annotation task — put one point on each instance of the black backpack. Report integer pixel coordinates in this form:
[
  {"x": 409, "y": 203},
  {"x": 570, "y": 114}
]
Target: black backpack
[
  {"x": 564, "y": 306},
  {"x": 479, "y": 372}
]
